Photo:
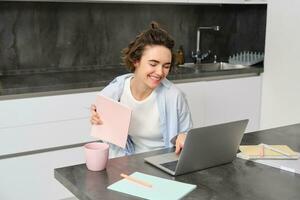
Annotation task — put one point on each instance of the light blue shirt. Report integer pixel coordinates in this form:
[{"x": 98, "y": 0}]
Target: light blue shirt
[{"x": 175, "y": 116}]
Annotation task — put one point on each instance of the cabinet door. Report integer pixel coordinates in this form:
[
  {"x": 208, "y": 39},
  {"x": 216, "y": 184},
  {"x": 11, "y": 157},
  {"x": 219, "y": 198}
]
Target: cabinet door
[
  {"x": 228, "y": 1},
  {"x": 256, "y": 1},
  {"x": 194, "y": 94},
  {"x": 217, "y": 1},
  {"x": 220, "y": 101},
  {"x": 143, "y": 1},
  {"x": 44, "y": 122},
  {"x": 233, "y": 99},
  {"x": 32, "y": 176}
]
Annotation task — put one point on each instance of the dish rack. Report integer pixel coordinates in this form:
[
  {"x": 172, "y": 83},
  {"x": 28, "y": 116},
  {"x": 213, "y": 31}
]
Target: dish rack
[{"x": 247, "y": 58}]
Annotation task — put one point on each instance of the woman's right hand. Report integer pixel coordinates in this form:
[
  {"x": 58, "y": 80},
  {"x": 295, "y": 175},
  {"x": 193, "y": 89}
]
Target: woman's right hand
[{"x": 95, "y": 117}]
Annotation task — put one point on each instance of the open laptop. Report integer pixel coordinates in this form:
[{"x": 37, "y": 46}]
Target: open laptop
[{"x": 204, "y": 147}]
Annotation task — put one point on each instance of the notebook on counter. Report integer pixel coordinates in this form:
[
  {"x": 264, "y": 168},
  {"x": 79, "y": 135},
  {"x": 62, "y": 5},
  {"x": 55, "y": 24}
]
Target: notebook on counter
[
  {"x": 161, "y": 188},
  {"x": 254, "y": 152},
  {"x": 289, "y": 161},
  {"x": 116, "y": 119}
]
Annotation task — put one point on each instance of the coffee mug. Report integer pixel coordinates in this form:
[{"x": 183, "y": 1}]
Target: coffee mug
[{"x": 96, "y": 154}]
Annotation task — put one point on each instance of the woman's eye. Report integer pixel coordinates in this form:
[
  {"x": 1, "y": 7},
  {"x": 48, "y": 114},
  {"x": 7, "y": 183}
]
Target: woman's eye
[{"x": 153, "y": 64}]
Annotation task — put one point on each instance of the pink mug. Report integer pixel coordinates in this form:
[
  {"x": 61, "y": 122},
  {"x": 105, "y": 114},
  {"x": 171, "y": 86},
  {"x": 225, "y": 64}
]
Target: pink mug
[{"x": 96, "y": 154}]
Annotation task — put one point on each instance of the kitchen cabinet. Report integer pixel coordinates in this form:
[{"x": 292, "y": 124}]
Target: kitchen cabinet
[
  {"x": 256, "y": 1},
  {"x": 151, "y": 1},
  {"x": 219, "y": 101},
  {"x": 37, "y": 123},
  {"x": 53, "y": 121},
  {"x": 32, "y": 177},
  {"x": 163, "y": 1},
  {"x": 194, "y": 93},
  {"x": 44, "y": 122},
  {"x": 113, "y": 1},
  {"x": 233, "y": 99},
  {"x": 228, "y": 1}
]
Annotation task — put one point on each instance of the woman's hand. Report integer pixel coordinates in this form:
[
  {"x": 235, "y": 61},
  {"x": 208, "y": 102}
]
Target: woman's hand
[
  {"x": 95, "y": 117},
  {"x": 180, "y": 142}
]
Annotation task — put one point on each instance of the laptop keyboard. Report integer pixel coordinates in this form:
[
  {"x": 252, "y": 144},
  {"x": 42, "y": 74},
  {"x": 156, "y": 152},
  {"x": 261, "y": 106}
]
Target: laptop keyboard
[{"x": 170, "y": 165}]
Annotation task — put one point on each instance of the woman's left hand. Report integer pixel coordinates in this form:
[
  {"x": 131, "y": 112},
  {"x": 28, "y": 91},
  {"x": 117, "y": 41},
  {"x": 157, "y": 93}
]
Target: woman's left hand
[{"x": 180, "y": 142}]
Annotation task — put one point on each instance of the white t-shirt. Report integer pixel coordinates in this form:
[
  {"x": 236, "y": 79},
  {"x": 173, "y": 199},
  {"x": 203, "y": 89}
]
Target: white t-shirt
[{"x": 144, "y": 127}]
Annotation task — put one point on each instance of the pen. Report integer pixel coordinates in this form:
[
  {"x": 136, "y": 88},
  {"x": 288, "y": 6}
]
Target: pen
[
  {"x": 276, "y": 150},
  {"x": 135, "y": 180}
]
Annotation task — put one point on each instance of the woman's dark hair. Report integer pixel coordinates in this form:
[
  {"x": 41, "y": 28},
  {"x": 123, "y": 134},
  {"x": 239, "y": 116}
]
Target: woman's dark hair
[{"x": 152, "y": 36}]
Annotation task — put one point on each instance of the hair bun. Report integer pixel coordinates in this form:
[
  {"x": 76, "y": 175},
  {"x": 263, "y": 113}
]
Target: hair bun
[{"x": 154, "y": 25}]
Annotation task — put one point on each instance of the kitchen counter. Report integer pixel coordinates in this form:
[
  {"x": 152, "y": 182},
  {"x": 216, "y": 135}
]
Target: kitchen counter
[
  {"x": 53, "y": 83},
  {"x": 240, "y": 179}
]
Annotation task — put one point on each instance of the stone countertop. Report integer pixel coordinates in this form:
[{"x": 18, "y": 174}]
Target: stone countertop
[
  {"x": 240, "y": 179},
  {"x": 85, "y": 80}
]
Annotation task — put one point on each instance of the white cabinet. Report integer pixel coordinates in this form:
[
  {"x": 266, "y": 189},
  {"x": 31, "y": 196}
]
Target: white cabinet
[
  {"x": 228, "y": 1},
  {"x": 165, "y": 1},
  {"x": 143, "y": 1},
  {"x": 233, "y": 99},
  {"x": 44, "y": 122},
  {"x": 194, "y": 93},
  {"x": 115, "y": 1},
  {"x": 216, "y": 1},
  {"x": 219, "y": 101},
  {"x": 39, "y": 123},
  {"x": 32, "y": 176},
  {"x": 256, "y": 1}
]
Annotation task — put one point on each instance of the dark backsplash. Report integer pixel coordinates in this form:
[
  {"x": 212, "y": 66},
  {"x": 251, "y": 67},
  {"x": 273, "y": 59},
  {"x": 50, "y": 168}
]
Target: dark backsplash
[{"x": 41, "y": 37}]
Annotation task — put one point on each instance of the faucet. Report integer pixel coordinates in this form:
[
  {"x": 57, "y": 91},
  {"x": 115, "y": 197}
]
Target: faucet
[{"x": 199, "y": 55}]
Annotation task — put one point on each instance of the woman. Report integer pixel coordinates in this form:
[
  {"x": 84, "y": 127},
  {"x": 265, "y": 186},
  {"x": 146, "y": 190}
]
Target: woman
[{"x": 160, "y": 114}]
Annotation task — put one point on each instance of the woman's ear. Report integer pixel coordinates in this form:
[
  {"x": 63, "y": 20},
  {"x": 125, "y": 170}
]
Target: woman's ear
[{"x": 136, "y": 64}]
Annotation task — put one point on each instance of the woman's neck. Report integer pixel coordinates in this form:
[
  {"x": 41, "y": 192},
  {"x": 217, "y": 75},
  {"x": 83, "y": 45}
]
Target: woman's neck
[{"x": 139, "y": 91}]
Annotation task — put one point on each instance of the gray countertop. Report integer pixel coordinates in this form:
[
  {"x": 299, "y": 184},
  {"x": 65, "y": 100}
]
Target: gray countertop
[
  {"x": 87, "y": 80},
  {"x": 238, "y": 180}
]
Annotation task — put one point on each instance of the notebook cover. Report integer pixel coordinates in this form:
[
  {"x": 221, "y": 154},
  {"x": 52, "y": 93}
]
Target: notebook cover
[
  {"x": 161, "y": 188},
  {"x": 116, "y": 119}
]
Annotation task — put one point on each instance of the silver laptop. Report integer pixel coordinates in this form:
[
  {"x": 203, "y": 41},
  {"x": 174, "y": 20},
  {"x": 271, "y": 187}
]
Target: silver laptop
[{"x": 204, "y": 147}]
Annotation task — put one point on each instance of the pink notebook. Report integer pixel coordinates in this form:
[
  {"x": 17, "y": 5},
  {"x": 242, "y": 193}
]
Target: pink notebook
[{"x": 116, "y": 119}]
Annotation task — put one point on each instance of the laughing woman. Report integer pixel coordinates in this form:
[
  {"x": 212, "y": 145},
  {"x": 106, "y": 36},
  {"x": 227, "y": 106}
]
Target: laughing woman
[{"x": 160, "y": 113}]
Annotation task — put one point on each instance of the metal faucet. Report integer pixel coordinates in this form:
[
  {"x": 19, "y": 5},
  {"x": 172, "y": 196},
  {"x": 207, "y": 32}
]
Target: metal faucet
[{"x": 199, "y": 55}]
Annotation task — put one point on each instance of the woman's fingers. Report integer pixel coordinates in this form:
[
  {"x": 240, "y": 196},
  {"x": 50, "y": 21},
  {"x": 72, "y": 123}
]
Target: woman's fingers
[
  {"x": 178, "y": 148},
  {"x": 95, "y": 117},
  {"x": 95, "y": 120},
  {"x": 180, "y": 142},
  {"x": 93, "y": 109}
]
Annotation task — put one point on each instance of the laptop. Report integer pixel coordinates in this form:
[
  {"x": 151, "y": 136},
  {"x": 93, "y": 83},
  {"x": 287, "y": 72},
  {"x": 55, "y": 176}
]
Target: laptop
[{"x": 204, "y": 147}]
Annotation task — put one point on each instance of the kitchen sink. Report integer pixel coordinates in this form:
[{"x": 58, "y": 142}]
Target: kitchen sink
[
  {"x": 218, "y": 66},
  {"x": 182, "y": 70}
]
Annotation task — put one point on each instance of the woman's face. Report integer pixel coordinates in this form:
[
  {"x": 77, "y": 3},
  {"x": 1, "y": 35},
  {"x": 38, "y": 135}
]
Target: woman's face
[{"x": 153, "y": 66}]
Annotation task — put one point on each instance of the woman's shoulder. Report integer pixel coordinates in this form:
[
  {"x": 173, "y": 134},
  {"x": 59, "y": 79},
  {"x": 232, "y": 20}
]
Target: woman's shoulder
[
  {"x": 171, "y": 89},
  {"x": 121, "y": 78},
  {"x": 115, "y": 87}
]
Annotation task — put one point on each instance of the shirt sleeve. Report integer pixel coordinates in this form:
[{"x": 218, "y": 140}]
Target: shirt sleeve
[{"x": 185, "y": 122}]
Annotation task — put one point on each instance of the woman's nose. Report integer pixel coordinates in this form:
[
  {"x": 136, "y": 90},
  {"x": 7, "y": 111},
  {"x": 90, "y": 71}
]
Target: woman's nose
[{"x": 159, "y": 70}]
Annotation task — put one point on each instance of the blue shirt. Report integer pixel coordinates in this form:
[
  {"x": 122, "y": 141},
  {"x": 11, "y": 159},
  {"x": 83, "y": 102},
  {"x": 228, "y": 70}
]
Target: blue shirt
[{"x": 175, "y": 116}]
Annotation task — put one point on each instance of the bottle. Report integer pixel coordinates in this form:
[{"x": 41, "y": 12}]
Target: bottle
[{"x": 180, "y": 56}]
